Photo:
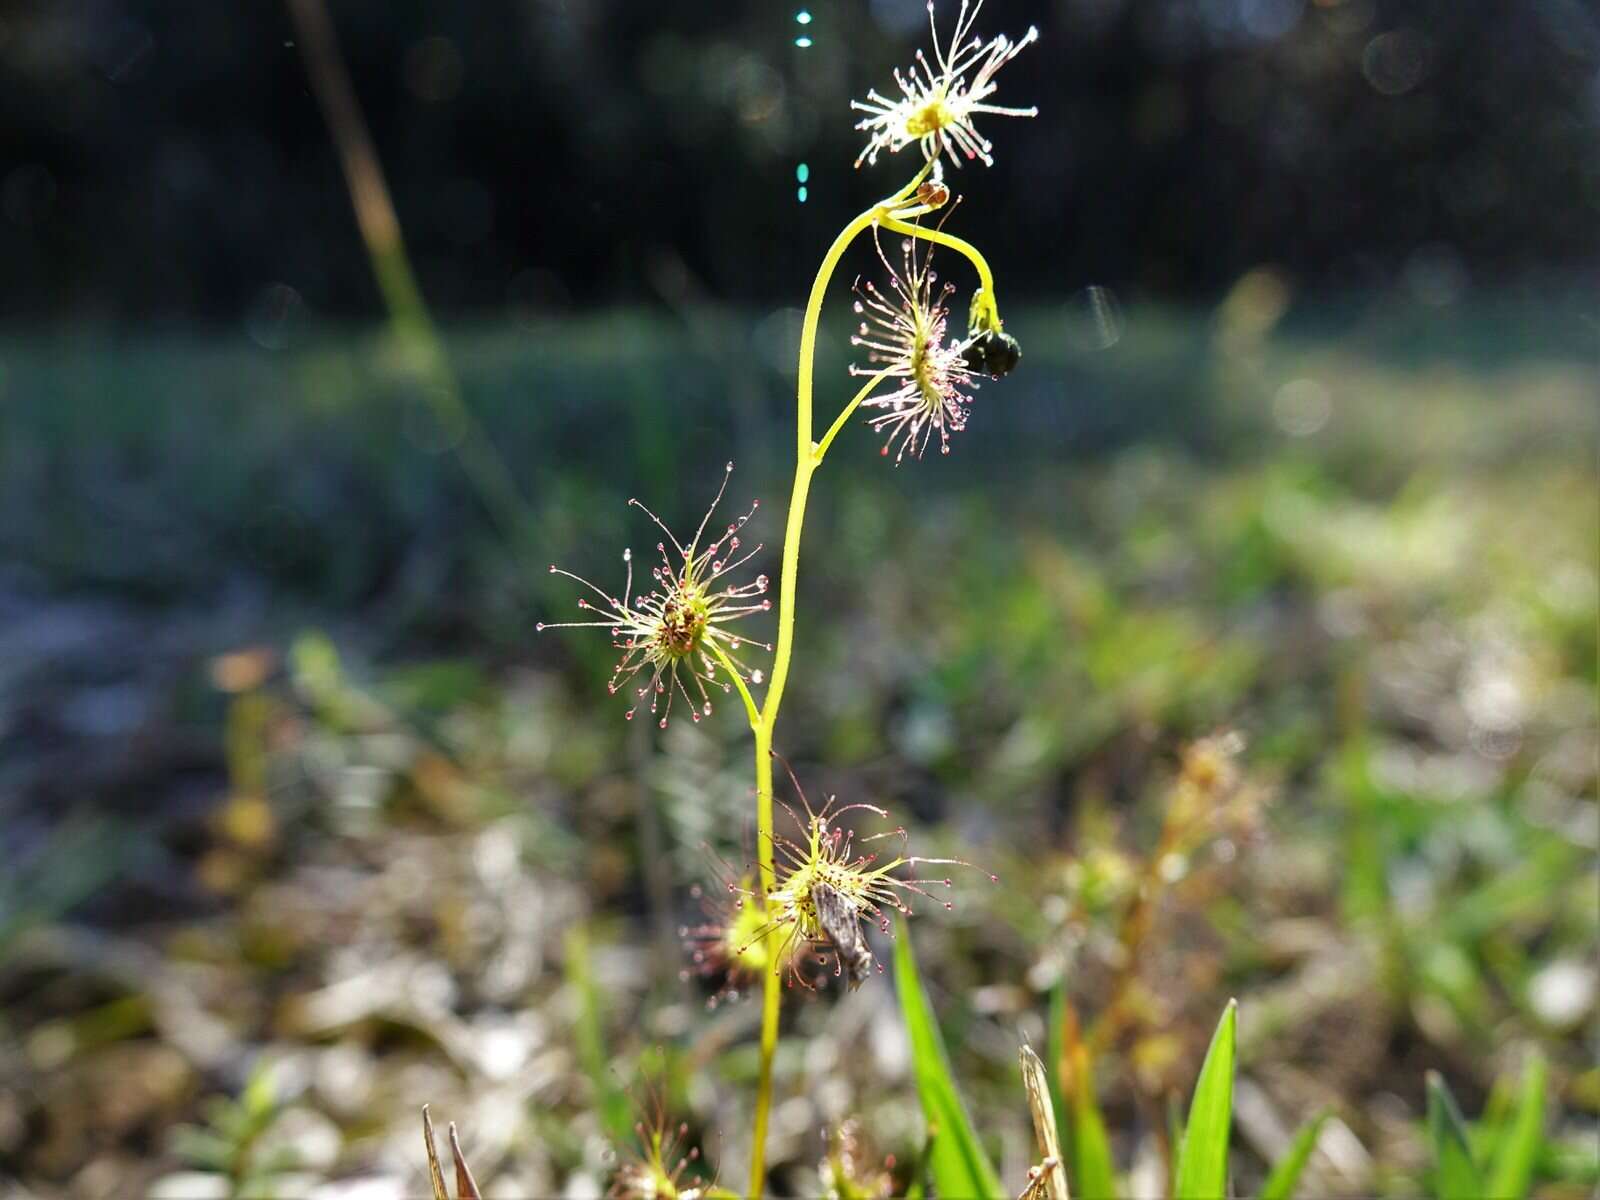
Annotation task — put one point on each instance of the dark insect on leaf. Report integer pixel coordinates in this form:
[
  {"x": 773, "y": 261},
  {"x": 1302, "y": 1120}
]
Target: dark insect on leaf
[
  {"x": 934, "y": 194},
  {"x": 840, "y": 921},
  {"x": 995, "y": 353}
]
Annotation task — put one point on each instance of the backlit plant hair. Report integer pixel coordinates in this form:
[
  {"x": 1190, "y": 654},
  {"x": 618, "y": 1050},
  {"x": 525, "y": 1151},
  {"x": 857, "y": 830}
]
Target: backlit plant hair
[{"x": 675, "y": 639}]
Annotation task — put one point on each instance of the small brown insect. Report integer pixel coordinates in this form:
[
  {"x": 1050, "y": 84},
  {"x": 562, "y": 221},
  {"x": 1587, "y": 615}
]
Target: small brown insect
[
  {"x": 842, "y": 924},
  {"x": 934, "y": 194}
]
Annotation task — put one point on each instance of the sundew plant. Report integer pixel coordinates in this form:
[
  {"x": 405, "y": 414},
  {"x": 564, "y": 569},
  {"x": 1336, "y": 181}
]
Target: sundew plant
[{"x": 799, "y": 921}]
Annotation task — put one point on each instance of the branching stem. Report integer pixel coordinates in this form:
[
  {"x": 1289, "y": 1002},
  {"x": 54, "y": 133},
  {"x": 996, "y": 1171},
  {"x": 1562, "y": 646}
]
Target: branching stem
[
  {"x": 821, "y": 448},
  {"x": 738, "y": 681},
  {"x": 808, "y": 457}
]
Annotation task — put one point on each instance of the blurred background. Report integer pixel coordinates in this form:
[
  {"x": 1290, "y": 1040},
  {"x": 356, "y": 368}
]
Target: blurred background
[{"x": 1248, "y": 633}]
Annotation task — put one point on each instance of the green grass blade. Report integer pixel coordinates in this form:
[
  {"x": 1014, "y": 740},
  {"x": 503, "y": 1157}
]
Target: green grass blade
[
  {"x": 1511, "y": 1172},
  {"x": 615, "y": 1115},
  {"x": 956, "y": 1159},
  {"x": 1493, "y": 1126},
  {"x": 1055, "y": 1047},
  {"x": 1094, "y": 1175},
  {"x": 1202, "y": 1171},
  {"x": 1174, "y": 1138},
  {"x": 1455, "y": 1175},
  {"x": 1090, "y": 1166},
  {"x": 1280, "y": 1183},
  {"x": 917, "y": 1189}
]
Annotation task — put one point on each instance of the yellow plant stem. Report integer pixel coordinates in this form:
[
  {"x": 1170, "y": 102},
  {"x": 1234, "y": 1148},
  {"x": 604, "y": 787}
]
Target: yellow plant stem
[
  {"x": 808, "y": 457},
  {"x": 771, "y": 992},
  {"x": 738, "y": 681},
  {"x": 844, "y": 416},
  {"x": 939, "y": 237}
]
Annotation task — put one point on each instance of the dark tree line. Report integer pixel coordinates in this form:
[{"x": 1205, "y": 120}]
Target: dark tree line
[{"x": 164, "y": 158}]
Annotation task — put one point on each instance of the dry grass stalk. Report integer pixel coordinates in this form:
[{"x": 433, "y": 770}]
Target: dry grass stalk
[{"x": 1051, "y": 1176}]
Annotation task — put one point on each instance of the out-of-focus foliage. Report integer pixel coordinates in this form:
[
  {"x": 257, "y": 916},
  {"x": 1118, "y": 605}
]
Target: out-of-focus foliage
[
  {"x": 166, "y": 159},
  {"x": 235, "y": 1152},
  {"x": 1512, "y": 1141},
  {"x": 1285, "y": 1175},
  {"x": 1261, "y": 642}
]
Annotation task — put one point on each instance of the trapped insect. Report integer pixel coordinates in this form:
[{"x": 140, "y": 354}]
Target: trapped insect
[
  {"x": 994, "y": 352},
  {"x": 832, "y": 885},
  {"x": 842, "y": 924}
]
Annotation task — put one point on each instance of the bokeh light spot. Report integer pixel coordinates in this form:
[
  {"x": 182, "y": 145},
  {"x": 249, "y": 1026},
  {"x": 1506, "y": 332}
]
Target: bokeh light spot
[
  {"x": 275, "y": 317},
  {"x": 1397, "y": 61},
  {"x": 1302, "y": 407},
  {"x": 1094, "y": 319}
]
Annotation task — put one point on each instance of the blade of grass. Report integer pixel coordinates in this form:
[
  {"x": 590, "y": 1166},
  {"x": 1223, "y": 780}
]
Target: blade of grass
[
  {"x": 917, "y": 1189},
  {"x": 956, "y": 1159},
  {"x": 435, "y": 1172},
  {"x": 1489, "y": 1131},
  {"x": 1090, "y": 1164},
  {"x": 612, "y": 1104},
  {"x": 1202, "y": 1171},
  {"x": 1512, "y": 1169},
  {"x": 1055, "y": 1050},
  {"x": 409, "y": 318},
  {"x": 1280, "y": 1183},
  {"x": 1455, "y": 1175},
  {"x": 1091, "y": 1148},
  {"x": 466, "y": 1185},
  {"x": 1174, "y": 1140}
]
